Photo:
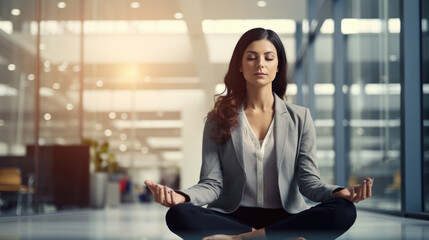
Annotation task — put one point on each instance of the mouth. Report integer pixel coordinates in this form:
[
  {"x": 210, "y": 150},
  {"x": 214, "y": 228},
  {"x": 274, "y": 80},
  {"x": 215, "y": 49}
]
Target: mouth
[{"x": 259, "y": 74}]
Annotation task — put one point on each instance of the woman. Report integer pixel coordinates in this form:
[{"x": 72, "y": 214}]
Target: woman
[{"x": 259, "y": 160}]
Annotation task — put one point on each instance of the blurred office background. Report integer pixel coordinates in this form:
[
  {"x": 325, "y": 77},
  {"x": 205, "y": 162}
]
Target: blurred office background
[{"x": 118, "y": 90}]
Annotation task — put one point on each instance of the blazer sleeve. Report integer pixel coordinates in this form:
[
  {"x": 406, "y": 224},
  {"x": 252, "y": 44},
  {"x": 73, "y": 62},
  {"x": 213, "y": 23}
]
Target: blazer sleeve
[
  {"x": 210, "y": 184},
  {"x": 309, "y": 182}
]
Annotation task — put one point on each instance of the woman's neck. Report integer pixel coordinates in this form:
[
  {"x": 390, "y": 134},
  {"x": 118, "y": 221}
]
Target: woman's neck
[{"x": 259, "y": 99}]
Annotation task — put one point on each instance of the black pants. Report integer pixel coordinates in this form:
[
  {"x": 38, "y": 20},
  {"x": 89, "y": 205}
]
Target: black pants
[{"x": 326, "y": 220}]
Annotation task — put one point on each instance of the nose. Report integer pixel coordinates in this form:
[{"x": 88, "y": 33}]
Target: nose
[{"x": 260, "y": 63}]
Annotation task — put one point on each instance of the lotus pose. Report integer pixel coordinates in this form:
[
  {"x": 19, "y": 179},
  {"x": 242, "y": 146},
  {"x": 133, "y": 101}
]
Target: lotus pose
[{"x": 259, "y": 161}]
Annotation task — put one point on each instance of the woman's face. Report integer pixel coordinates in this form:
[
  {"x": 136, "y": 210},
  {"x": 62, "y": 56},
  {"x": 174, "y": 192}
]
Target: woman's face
[{"x": 260, "y": 63}]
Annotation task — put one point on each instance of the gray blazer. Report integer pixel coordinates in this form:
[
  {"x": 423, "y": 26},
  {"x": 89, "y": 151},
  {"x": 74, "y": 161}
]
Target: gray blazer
[{"x": 222, "y": 177}]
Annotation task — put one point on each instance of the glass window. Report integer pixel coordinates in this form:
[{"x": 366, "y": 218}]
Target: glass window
[
  {"x": 59, "y": 73},
  {"x": 61, "y": 161},
  {"x": 373, "y": 88},
  {"x": 324, "y": 90},
  {"x": 17, "y": 87},
  {"x": 17, "y": 71}
]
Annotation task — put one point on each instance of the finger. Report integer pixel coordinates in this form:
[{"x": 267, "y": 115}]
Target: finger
[
  {"x": 363, "y": 189},
  {"x": 167, "y": 197},
  {"x": 360, "y": 192},
  {"x": 161, "y": 194},
  {"x": 173, "y": 202},
  {"x": 156, "y": 194},
  {"x": 352, "y": 193},
  {"x": 369, "y": 188},
  {"x": 355, "y": 195},
  {"x": 151, "y": 185}
]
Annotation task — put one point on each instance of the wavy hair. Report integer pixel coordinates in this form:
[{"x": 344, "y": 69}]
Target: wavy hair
[{"x": 224, "y": 114}]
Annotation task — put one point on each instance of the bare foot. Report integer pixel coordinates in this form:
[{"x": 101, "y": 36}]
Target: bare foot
[{"x": 220, "y": 237}]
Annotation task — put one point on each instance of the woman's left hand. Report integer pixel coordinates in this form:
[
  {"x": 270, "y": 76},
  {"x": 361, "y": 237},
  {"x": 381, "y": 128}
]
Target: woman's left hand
[{"x": 358, "y": 192}]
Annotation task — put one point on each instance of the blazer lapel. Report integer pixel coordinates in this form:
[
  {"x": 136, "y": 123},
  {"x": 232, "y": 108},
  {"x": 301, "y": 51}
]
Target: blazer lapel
[
  {"x": 237, "y": 139},
  {"x": 281, "y": 126}
]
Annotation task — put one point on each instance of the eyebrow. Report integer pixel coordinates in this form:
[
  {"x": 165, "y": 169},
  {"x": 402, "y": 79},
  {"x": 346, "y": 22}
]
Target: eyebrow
[{"x": 264, "y": 53}]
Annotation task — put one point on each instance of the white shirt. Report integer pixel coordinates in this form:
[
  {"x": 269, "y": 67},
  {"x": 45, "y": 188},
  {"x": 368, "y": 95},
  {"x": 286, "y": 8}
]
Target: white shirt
[{"x": 261, "y": 188}]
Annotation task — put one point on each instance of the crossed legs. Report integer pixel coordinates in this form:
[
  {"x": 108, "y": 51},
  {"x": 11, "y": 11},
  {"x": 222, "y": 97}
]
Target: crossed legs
[{"x": 326, "y": 220}]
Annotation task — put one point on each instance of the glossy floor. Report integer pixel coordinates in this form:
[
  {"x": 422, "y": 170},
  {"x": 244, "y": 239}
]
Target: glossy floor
[{"x": 146, "y": 222}]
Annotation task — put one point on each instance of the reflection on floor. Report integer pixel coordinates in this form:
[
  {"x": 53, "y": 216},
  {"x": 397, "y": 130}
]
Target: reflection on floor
[{"x": 146, "y": 222}]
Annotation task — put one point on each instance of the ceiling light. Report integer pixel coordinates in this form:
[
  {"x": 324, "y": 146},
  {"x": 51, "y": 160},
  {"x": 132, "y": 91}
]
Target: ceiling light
[
  {"x": 394, "y": 25},
  {"x": 135, "y": 5},
  {"x": 108, "y": 132},
  {"x": 292, "y": 89},
  {"x": 261, "y": 3},
  {"x": 144, "y": 150},
  {"x": 61, "y": 5},
  {"x": 324, "y": 89},
  {"x": 238, "y": 26},
  {"x": 165, "y": 142},
  {"x": 328, "y": 26},
  {"x": 47, "y": 116},
  {"x": 15, "y": 12},
  {"x": 7, "y": 26},
  {"x": 178, "y": 15},
  {"x": 123, "y": 136},
  {"x": 56, "y": 86},
  {"x": 31, "y": 77},
  {"x": 147, "y": 124},
  {"x": 6, "y": 90},
  {"x": 98, "y": 126},
  {"x": 112, "y": 115},
  {"x": 46, "y": 92},
  {"x": 99, "y": 83},
  {"x": 69, "y": 106},
  {"x": 173, "y": 155},
  {"x": 11, "y": 67},
  {"x": 124, "y": 116},
  {"x": 220, "y": 88},
  {"x": 62, "y": 68},
  {"x": 123, "y": 148}
]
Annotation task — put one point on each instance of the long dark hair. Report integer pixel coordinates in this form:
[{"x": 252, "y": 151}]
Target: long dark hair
[{"x": 224, "y": 113}]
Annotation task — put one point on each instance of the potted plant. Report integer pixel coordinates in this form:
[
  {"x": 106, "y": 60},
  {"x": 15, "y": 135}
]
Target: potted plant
[{"x": 102, "y": 163}]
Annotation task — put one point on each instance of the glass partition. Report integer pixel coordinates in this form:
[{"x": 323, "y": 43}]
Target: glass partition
[
  {"x": 17, "y": 89},
  {"x": 373, "y": 87},
  {"x": 324, "y": 90},
  {"x": 17, "y": 71},
  {"x": 62, "y": 163}
]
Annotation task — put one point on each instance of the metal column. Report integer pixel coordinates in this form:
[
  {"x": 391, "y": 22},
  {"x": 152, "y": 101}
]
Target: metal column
[
  {"x": 411, "y": 105},
  {"x": 340, "y": 135}
]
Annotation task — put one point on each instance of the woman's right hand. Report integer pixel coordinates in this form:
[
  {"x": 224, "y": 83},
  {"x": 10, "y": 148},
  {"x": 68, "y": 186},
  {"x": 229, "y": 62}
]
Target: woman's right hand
[{"x": 163, "y": 195}]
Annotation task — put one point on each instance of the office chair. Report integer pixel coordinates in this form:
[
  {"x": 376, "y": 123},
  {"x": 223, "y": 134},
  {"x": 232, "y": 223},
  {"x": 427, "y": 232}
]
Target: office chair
[{"x": 10, "y": 181}]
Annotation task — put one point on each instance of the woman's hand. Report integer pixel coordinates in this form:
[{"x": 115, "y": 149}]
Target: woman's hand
[
  {"x": 358, "y": 192},
  {"x": 163, "y": 195}
]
